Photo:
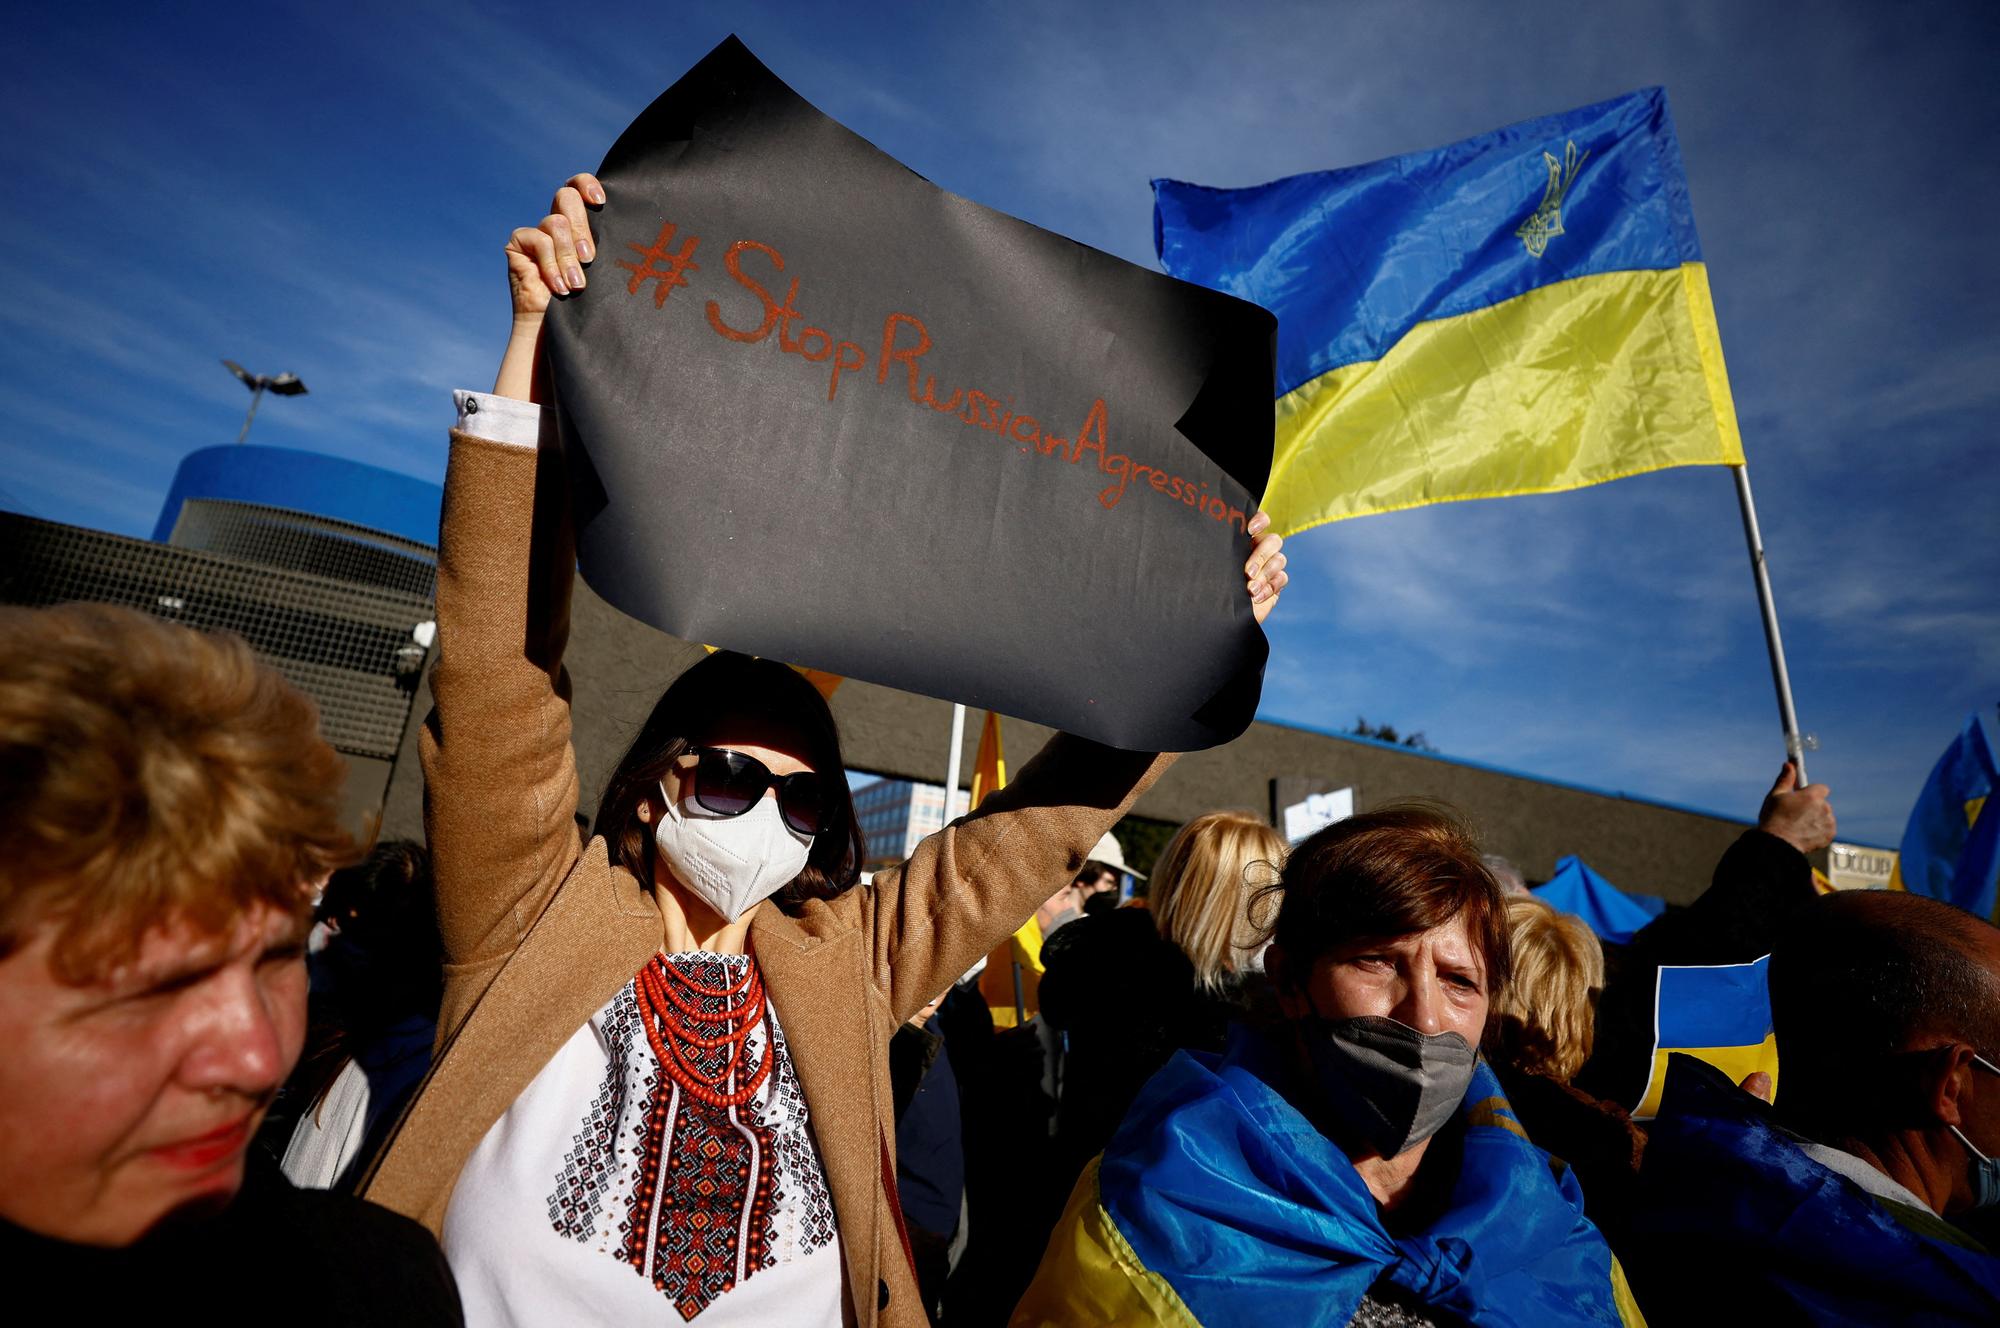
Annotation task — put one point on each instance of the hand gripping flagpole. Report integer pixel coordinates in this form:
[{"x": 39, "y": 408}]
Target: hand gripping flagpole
[{"x": 1795, "y": 746}]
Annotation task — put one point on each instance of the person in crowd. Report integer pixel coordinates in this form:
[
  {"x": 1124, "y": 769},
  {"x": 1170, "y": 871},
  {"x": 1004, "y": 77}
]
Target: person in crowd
[
  {"x": 1006, "y": 1114},
  {"x": 166, "y": 808},
  {"x": 1541, "y": 1024},
  {"x": 1203, "y": 889},
  {"x": 1844, "y": 1203},
  {"x": 377, "y": 985},
  {"x": 1761, "y": 879},
  {"x": 1103, "y": 894},
  {"x": 1118, "y": 998},
  {"x": 1129, "y": 988},
  {"x": 1355, "y": 1162},
  {"x": 930, "y": 1147},
  {"x": 663, "y": 1078},
  {"x": 1012, "y": 980},
  {"x": 1539, "y": 1034}
]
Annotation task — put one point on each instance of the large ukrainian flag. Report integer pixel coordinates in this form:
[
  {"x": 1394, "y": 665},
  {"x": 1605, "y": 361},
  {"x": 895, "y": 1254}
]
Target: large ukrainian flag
[{"x": 1522, "y": 312}]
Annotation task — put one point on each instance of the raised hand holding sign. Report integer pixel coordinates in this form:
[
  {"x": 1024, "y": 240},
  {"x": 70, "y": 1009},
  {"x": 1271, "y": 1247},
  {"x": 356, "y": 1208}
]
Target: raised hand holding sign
[{"x": 816, "y": 408}]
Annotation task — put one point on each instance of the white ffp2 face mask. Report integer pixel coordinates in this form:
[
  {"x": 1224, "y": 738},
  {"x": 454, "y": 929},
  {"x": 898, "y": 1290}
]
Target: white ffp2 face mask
[{"x": 732, "y": 863}]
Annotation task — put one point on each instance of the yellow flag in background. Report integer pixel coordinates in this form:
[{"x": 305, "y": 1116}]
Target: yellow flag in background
[
  {"x": 989, "y": 768},
  {"x": 1024, "y": 947}
]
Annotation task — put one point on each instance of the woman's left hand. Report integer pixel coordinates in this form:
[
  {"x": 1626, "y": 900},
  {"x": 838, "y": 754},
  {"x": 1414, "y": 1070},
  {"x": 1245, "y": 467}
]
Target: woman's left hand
[{"x": 1266, "y": 568}]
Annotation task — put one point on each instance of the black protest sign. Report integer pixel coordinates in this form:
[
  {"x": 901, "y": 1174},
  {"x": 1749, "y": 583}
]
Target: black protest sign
[{"x": 818, "y": 409}]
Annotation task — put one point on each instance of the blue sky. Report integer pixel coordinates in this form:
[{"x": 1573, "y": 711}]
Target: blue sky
[{"x": 325, "y": 189}]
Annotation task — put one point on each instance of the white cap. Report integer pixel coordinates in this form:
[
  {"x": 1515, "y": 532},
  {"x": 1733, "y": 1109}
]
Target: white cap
[{"x": 1108, "y": 853}]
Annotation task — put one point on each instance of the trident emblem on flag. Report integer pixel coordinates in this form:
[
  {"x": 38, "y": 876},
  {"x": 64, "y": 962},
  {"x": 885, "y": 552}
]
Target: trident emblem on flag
[{"x": 1546, "y": 221}]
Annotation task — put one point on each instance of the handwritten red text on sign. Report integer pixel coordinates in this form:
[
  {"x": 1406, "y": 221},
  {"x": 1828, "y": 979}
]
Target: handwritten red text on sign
[{"x": 905, "y": 340}]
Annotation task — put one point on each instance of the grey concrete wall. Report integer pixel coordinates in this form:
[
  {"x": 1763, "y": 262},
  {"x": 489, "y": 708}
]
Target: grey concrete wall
[{"x": 619, "y": 667}]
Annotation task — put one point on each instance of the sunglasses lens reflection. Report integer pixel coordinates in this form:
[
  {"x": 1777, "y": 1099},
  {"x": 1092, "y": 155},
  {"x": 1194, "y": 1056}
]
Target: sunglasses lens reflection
[
  {"x": 803, "y": 802},
  {"x": 730, "y": 783}
]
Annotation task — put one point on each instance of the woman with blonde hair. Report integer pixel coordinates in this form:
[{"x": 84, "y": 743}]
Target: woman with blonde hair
[
  {"x": 1542, "y": 1024},
  {"x": 1202, "y": 890},
  {"x": 1540, "y": 1034},
  {"x": 1130, "y": 988}
]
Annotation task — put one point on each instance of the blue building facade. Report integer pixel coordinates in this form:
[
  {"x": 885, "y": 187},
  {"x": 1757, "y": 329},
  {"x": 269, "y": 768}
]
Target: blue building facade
[{"x": 312, "y": 482}]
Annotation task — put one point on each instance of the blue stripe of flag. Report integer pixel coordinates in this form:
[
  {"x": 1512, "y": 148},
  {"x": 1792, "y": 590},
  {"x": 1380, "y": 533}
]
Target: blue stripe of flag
[
  {"x": 1350, "y": 260},
  {"x": 1724, "y": 1006}
]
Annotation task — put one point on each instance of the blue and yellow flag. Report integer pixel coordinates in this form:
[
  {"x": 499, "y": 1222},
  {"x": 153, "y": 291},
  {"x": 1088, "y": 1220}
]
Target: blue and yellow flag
[
  {"x": 1218, "y": 1203},
  {"x": 1522, "y": 312},
  {"x": 1942, "y": 821},
  {"x": 1738, "y": 1222},
  {"x": 1718, "y": 1013},
  {"x": 1975, "y": 885}
]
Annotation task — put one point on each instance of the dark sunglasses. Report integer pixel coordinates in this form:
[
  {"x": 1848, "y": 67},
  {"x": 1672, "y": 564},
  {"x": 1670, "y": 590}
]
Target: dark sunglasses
[{"x": 730, "y": 784}]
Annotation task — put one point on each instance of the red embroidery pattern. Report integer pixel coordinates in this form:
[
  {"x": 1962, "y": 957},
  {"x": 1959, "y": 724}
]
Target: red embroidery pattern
[
  {"x": 700, "y": 1179},
  {"x": 701, "y": 1206}
]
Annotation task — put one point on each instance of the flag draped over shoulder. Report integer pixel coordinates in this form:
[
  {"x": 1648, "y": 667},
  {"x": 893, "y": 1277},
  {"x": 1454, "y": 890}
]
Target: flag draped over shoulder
[
  {"x": 1737, "y": 1223},
  {"x": 1522, "y": 312},
  {"x": 1218, "y": 1203},
  {"x": 1604, "y": 908},
  {"x": 1944, "y": 820},
  {"x": 1717, "y": 1013}
]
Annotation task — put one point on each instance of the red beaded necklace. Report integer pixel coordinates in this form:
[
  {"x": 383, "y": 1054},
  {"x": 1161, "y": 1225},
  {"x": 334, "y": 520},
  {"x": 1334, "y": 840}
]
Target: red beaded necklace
[{"x": 673, "y": 1023}]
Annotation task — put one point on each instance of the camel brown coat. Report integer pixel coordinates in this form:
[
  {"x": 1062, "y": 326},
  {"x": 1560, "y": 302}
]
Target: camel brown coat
[{"x": 541, "y": 930}]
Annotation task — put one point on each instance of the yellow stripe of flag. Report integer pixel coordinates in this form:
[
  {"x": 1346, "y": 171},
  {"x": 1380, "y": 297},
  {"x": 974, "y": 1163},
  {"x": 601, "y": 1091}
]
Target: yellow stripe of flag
[{"x": 1567, "y": 385}]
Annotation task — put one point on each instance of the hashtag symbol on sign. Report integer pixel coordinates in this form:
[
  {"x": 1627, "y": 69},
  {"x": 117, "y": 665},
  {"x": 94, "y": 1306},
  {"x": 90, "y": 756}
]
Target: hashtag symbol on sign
[{"x": 674, "y": 274}]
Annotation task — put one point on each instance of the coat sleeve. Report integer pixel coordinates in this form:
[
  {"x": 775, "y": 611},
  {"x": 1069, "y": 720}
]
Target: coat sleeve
[
  {"x": 499, "y": 771},
  {"x": 1741, "y": 915},
  {"x": 970, "y": 885}
]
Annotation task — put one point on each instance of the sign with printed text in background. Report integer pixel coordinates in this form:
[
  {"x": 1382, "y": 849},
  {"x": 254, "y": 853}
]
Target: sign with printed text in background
[{"x": 814, "y": 407}]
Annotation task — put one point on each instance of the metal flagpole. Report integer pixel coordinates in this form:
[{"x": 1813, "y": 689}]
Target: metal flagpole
[
  {"x": 1794, "y": 744},
  {"x": 951, "y": 762},
  {"x": 256, "y": 395}
]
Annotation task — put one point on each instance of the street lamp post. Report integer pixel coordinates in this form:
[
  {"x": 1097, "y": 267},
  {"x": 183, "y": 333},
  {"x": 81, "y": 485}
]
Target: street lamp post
[{"x": 284, "y": 384}]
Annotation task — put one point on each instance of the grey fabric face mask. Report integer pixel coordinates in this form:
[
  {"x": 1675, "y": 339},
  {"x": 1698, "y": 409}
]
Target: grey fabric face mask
[{"x": 1389, "y": 1084}]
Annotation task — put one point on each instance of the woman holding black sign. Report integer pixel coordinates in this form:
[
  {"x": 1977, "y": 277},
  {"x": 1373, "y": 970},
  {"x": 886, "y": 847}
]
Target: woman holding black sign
[{"x": 662, "y": 1067}]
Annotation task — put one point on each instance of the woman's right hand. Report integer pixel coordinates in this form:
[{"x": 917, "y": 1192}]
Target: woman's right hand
[
  {"x": 550, "y": 258},
  {"x": 544, "y": 261}
]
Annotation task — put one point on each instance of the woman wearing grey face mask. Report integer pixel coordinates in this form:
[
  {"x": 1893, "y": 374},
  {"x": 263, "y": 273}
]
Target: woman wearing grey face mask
[
  {"x": 662, "y": 1087},
  {"x": 1354, "y": 1163}
]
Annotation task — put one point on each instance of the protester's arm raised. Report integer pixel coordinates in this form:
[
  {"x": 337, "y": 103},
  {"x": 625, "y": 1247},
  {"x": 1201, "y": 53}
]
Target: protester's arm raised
[
  {"x": 500, "y": 774},
  {"x": 970, "y": 885}
]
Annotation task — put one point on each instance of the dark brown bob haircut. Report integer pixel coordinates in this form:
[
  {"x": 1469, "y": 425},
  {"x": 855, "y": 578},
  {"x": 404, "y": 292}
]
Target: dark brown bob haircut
[
  {"x": 729, "y": 697},
  {"x": 1407, "y": 867}
]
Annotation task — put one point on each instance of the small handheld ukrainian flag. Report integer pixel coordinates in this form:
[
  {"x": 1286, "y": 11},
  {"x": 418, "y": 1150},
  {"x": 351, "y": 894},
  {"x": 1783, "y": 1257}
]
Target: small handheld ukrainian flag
[
  {"x": 1719, "y": 1013},
  {"x": 1522, "y": 312}
]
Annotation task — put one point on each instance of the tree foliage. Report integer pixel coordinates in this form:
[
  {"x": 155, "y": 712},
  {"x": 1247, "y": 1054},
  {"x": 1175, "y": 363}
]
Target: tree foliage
[{"x": 1387, "y": 733}]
